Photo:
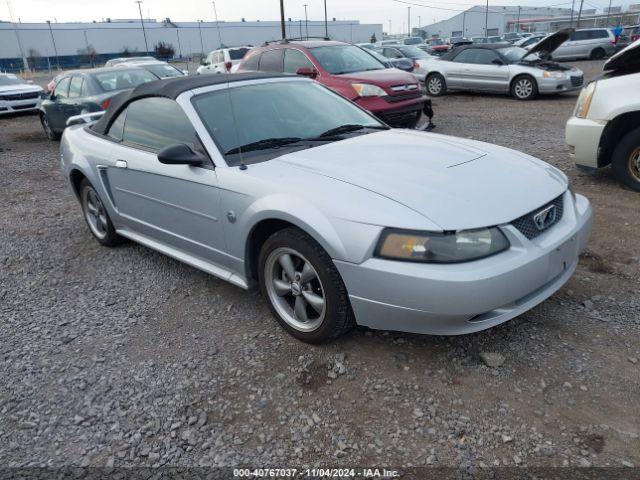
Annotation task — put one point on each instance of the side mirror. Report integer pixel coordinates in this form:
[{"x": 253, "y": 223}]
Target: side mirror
[
  {"x": 497, "y": 61},
  {"x": 180, "y": 154},
  {"x": 307, "y": 72}
]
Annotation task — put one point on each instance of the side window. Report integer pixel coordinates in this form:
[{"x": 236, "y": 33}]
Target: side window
[
  {"x": 464, "y": 56},
  {"x": 295, "y": 59},
  {"x": 86, "y": 89},
  {"x": 272, "y": 61},
  {"x": 156, "y": 123},
  {"x": 117, "y": 127},
  {"x": 75, "y": 88},
  {"x": 251, "y": 63},
  {"x": 392, "y": 53},
  {"x": 62, "y": 89},
  {"x": 579, "y": 35},
  {"x": 601, "y": 34},
  {"x": 484, "y": 56}
]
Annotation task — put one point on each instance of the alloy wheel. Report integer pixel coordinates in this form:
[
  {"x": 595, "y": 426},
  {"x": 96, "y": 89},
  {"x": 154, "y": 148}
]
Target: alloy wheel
[
  {"x": 523, "y": 88},
  {"x": 435, "y": 86},
  {"x": 634, "y": 164},
  {"x": 94, "y": 212},
  {"x": 294, "y": 289}
]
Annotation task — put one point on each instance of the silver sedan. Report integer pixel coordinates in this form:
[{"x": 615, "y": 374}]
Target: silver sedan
[
  {"x": 278, "y": 182},
  {"x": 507, "y": 69}
]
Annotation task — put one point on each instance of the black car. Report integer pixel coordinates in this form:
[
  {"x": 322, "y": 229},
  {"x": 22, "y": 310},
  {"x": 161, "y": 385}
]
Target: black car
[{"x": 85, "y": 92}]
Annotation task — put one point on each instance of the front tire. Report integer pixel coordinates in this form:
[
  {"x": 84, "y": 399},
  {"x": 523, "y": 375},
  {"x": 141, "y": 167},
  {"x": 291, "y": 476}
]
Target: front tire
[
  {"x": 48, "y": 130},
  {"x": 625, "y": 161},
  {"x": 524, "y": 87},
  {"x": 96, "y": 216},
  {"x": 436, "y": 85},
  {"x": 304, "y": 290},
  {"x": 597, "y": 54}
]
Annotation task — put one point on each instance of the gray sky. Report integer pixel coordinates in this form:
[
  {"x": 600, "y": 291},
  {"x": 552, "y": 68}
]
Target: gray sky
[{"x": 367, "y": 11}]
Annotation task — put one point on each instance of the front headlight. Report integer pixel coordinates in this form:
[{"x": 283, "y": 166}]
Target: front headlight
[
  {"x": 556, "y": 75},
  {"x": 432, "y": 247},
  {"x": 368, "y": 90},
  {"x": 584, "y": 100}
]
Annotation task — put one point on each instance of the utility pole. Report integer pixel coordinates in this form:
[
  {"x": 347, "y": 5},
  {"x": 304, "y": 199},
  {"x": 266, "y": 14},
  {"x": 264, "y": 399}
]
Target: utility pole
[
  {"x": 486, "y": 21},
  {"x": 144, "y": 33},
  {"x": 518, "y": 24},
  {"x": 464, "y": 21},
  {"x": 326, "y": 24},
  {"x": 282, "y": 27},
  {"x": 215, "y": 13},
  {"x": 306, "y": 21},
  {"x": 573, "y": 7},
  {"x": 579, "y": 14},
  {"x": 201, "y": 44},
  {"x": 409, "y": 21},
  {"x": 53, "y": 41},
  {"x": 608, "y": 13}
]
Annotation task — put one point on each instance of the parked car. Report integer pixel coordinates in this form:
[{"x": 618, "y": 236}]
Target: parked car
[
  {"x": 86, "y": 91},
  {"x": 406, "y": 64},
  {"x": 279, "y": 182},
  {"x": 416, "y": 55},
  {"x": 412, "y": 41},
  {"x": 392, "y": 95},
  {"x": 222, "y": 60},
  {"x": 529, "y": 41},
  {"x": 437, "y": 46},
  {"x": 115, "y": 61},
  {"x": 458, "y": 41},
  {"x": 18, "y": 95},
  {"x": 383, "y": 43},
  {"x": 591, "y": 43},
  {"x": 511, "y": 37},
  {"x": 605, "y": 127},
  {"x": 493, "y": 39},
  {"x": 505, "y": 69},
  {"x": 54, "y": 81},
  {"x": 633, "y": 32},
  {"x": 156, "y": 67}
]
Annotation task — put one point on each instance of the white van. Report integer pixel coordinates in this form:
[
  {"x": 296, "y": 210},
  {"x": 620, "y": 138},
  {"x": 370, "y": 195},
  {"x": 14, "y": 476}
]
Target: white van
[{"x": 593, "y": 43}]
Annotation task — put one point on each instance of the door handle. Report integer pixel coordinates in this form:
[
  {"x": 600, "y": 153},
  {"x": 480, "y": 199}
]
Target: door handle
[{"x": 121, "y": 164}]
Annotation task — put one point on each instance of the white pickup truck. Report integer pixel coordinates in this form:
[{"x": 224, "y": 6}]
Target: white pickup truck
[{"x": 605, "y": 127}]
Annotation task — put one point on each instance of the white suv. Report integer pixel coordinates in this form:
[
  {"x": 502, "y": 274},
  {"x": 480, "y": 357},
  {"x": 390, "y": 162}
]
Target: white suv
[
  {"x": 605, "y": 127},
  {"x": 222, "y": 60}
]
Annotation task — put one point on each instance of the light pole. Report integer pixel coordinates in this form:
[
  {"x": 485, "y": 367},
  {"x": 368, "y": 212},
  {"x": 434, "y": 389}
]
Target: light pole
[
  {"x": 486, "y": 21},
  {"x": 201, "y": 44},
  {"x": 215, "y": 14},
  {"x": 579, "y": 14},
  {"x": 53, "y": 41},
  {"x": 518, "y": 24},
  {"x": 306, "y": 21},
  {"x": 326, "y": 24},
  {"x": 144, "y": 33},
  {"x": 573, "y": 7},
  {"x": 608, "y": 13},
  {"x": 282, "y": 27},
  {"x": 409, "y": 21},
  {"x": 464, "y": 21}
]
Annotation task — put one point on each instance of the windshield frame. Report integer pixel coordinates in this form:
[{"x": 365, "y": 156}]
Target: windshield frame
[
  {"x": 216, "y": 151},
  {"x": 313, "y": 51}
]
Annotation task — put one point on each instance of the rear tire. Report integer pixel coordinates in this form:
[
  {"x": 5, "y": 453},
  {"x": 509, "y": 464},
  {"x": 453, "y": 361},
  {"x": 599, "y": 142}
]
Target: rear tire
[
  {"x": 436, "y": 85},
  {"x": 96, "y": 216},
  {"x": 524, "y": 87},
  {"x": 625, "y": 161},
  {"x": 311, "y": 301},
  {"x": 48, "y": 130},
  {"x": 597, "y": 54}
]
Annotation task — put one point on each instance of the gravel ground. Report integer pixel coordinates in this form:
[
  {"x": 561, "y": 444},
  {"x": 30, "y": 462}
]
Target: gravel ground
[{"x": 125, "y": 357}]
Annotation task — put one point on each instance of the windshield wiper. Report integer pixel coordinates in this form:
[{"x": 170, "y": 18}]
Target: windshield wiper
[
  {"x": 349, "y": 127},
  {"x": 264, "y": 144}
]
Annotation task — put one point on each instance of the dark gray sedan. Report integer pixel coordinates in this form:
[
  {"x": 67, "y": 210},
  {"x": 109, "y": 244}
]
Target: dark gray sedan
[{"x": 85, "y": 92}]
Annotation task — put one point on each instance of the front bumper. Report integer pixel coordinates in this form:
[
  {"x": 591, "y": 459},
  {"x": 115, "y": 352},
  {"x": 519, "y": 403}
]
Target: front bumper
[
  {"x": 560, "y": 85},
  {"x": 394, "y": 112},
  {"x": 14, "y": 106},
  {"x": 583, "y": 137},
  {"x": 468, "y": 297}
]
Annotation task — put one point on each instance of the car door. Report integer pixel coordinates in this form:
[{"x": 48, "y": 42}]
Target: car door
[
  {"x": 218, "y": 62},
  {"x": 74, "y": 104},
  {"x": 483, "y": 73},
  {"x": 452, "y": 70},
  {"x": 56, "y": 110},
  {"x": 177, "y": 206}
]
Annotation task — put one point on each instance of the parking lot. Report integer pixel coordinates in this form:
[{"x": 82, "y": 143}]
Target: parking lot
[{"x": 126, "y": 357}]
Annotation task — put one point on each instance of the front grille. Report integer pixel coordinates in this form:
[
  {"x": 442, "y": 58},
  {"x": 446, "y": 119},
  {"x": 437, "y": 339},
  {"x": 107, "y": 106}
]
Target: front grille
[
  {"x": 20, "y": 96},
  {"x": 402, "y": 98},
  {"x": 401, "y": 119},
  {"x": 24, "y": 107},
  {"x": 527, "y": 226},
  {"x": 409, "y": 87},
  {"x": 577, "y": 81}
]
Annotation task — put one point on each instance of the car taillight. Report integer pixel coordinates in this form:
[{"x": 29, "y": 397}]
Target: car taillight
[
  {"x": 416, "y": 65},
  {"x": 228, "y": 65},
  {"x": 105, "y": 103}
]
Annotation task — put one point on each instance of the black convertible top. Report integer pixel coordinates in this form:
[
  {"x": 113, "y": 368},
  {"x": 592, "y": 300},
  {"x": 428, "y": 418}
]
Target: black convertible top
[{"x": 171, "y": 88}]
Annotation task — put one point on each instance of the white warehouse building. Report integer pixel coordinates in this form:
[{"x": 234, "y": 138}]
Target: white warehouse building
[
  {"x": 499, "y": 20},
  {"x": 73, "y": 43}
]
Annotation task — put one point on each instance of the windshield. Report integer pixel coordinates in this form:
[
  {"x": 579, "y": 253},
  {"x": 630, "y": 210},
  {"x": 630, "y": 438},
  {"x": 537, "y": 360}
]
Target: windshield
[
  {"x": 291, "y": 110},
  {"x": 237, "y": 53},
  {"x": 6, "y": 80},
  {"x": 123, "y": 79},
  {"x": 164, "y": 71},
  {"x": 338, "y": 59},
  {"x": 413, "y": 52},
  {"x": 515, "y": 54}
]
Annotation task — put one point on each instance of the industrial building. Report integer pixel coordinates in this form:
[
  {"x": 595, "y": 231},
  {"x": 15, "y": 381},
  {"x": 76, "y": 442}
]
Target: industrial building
[{"x": 41, "y": 45}]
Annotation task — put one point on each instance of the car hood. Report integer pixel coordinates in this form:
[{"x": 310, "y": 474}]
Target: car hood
[
  {"x": 455, "y": 183},
  {"x": 626, "y": 59},
  {"x": 383, "y": 78},
  {"x": 552, "y": 42},
  {"x": 23, "y": 88}
]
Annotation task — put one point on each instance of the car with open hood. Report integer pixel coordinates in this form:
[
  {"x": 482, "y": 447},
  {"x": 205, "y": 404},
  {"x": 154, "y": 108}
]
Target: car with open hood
[
  {"x": 504, "y": 68},
  {"x": 18, "y": 95},
  {"x": 605, "y": 127},
  {"x": 277, "y": 182}
]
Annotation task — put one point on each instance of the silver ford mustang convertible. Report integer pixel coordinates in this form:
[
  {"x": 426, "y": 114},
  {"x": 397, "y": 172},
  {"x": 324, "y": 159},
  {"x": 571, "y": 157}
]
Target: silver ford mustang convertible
[{"x": 276, "y": 181}]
